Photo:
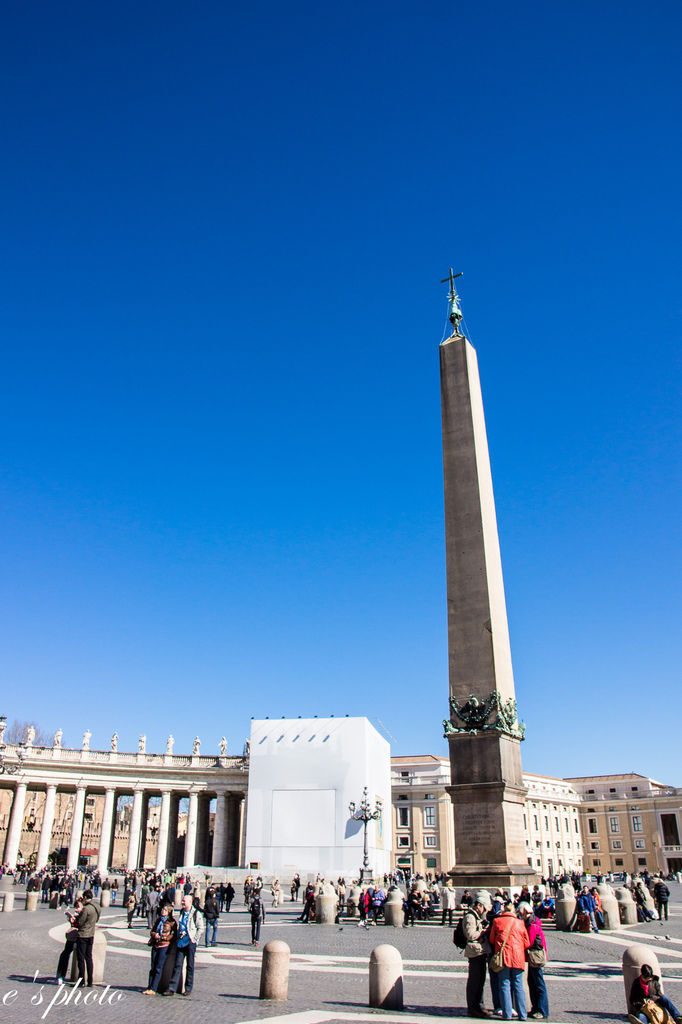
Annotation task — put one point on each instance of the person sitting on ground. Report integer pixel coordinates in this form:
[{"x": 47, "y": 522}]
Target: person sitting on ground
[
  {"x": 648, "y": 986},
  {"x": 466, "y": 900}
]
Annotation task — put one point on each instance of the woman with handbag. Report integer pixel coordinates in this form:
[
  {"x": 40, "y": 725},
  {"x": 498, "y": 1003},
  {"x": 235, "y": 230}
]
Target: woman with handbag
[
  {"x": 509, "y": 941},
  {"x": 536, "y": 955}
]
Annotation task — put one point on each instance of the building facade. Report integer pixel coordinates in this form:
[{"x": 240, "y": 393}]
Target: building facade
[
  {"x": 630, "y": 823},
  {"x": 114, "y": 809},
  {"x": 423, "y": 819}
]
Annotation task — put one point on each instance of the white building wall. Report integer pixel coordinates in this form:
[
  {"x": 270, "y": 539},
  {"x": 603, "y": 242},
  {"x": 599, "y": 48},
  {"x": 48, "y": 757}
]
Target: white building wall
[{"x": 303, "y": 773}]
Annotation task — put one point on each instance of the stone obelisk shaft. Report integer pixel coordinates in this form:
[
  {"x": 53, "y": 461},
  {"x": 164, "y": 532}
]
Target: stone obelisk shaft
[{"x": 487, "y": 785}]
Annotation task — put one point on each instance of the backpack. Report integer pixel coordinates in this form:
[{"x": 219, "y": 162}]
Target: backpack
[{"x": 458, "y": 936}]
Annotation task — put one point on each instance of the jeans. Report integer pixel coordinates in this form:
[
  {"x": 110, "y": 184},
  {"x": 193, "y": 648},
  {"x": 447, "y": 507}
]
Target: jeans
[
  {"x": 212, "y": 930},
  {"x": 84, "y": 956},
  {"x": 447, "y": 914},
  {"x": 476, "y": 982},
  {"x": 64, "y": 957},
  {"x": 666, "y": 1004},
  {"x": 495, "y": 989},
  {"x": 183, "y": 952},
  {"x": 538, "y": 991},
  {"x": 255, "y": 929},
  {"x": 158, "y": 960},
  {"x": 663, "y": 909},
  {"x": 511, "y": 986}
]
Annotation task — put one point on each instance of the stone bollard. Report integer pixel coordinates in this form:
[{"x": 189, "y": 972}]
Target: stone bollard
[
  {"x": 609, "y": 906},
  {"x": 386, "y": 978},
  {"x": 633, "y": 958},
  {"x": 8, "y": 903},
  {"x": 352, "y": 900},
  {"x": 274, "y": 975},
  {"x": 565, "y": 908},
  {"x": 99, "y": 956},
  {"x": 627, "y": 907},
  {"x": 105, "y": 898},
  {"x": 31, "y": 901},
  {"x": 54, "y": 901},
  {"x": 325, "y": 908},
  {"x": 393, "y": 908}
]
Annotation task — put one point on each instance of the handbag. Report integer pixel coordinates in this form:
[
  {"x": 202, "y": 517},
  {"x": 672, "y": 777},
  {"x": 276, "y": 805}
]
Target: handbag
[
  {"x": 536, "y": 957},
  {"x": 497, "y": 959}
]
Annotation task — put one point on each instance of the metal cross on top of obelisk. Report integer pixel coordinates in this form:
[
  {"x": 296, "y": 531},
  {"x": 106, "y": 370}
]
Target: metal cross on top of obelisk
[{"x": 455, "y": 314}]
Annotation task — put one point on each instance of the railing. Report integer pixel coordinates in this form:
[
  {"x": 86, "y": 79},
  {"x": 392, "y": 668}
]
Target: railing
[{"x": 20, "y": 752}]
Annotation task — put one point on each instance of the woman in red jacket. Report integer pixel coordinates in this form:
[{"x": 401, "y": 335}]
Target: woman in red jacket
[
  {"x": 536, "y": 980},
  {"x": 509, "y": 934}
]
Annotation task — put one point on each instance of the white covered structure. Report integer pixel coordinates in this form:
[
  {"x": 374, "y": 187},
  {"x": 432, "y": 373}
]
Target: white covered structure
[{"x": 303, "y": 774}]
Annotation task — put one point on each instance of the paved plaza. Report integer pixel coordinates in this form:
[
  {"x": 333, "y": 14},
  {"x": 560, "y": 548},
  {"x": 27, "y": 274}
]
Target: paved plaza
[{"x": 329, "y": 971}]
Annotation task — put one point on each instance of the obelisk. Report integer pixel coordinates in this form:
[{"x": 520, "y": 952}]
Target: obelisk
[{"x": 483, "y": 731}]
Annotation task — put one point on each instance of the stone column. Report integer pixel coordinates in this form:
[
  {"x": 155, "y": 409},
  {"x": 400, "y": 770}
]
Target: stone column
[
  {"x": 191, "y": 835},
  {"x": 219, "y": 856},
  {"x": 76, "y": 830},
  {"x": 46, "y": 828},
  {"x": 15, "y": 825},
  {"x": 162, "y": 836},
  {"x": 242, "y": 830},
  {"x": 105, "y": 835},
  {"x": 134, "y": 834},
  {"x": 201, "y": 851}
]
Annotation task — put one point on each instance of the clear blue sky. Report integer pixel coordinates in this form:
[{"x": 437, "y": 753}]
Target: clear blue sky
[{"x": 224, "y": 229}]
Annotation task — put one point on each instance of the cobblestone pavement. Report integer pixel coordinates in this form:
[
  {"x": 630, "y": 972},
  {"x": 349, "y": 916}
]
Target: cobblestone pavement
[{"x": 329, "y": 971}]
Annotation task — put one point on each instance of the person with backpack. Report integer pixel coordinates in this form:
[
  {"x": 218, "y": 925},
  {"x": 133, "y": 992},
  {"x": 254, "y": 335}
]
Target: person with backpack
[
  {"x": 471, "y": 935},
  {"x": 257, "y": 914},
  {"x": 661, "y": 897}
]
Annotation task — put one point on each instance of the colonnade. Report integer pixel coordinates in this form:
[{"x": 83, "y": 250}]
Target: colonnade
[{"x": 228, "y": 828}]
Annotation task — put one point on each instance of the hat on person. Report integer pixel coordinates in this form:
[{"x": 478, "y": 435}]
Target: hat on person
[
  {"x": 524, "y": 907},
  {"x": 483, "y": 897}
]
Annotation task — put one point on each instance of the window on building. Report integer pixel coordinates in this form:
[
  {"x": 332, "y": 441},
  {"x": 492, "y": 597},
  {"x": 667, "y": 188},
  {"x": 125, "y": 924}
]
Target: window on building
[
  {"x": 634, "y": 788},
  {"x": 404, "y": 775},
  {"x": 429, "y": 796},
  {"x": 535, "y": 821},
  {"x": 613, "y": 808},
  {"x": 617, "y": 844},
  {"x": 403, "y": 817},
  {"x": 566, "y": 825},
  {"x": 538, "y": 844},
  {"x": 549, "y": 845},
  {"x": 403, "y": 840},
  {"x": 597, "y": 863},
  {"x": 575, "y": 825},
  {"x": 429, "y": 817},
  {"x": 525, "y": 824},
  {"x": 594, "y": 846},
  {"x": 431, "y": 862},
  {"x": 402, "y": 796},
  {"x": 590, "y": 792},
  {"x": 538, "y": 862},
  {"x": 635, "y": 807},
  {"x": 430, "y": 841},
  {"x": 546, "y": 822},
  {"x": 671, "y": 835},
  {"x": 590, "y": 810},
  {"x": 592, "y": 826},
  {"x": 568, "y": 846},
  {"x": 619, "y": 862},
  {"x": 637, "y": 823},
  {"x": 612, "y": 789},
  {"x": 639, "y": 844},
  {"x": 614, "y": 824},
  {"x": 556, "y": 824},
  {"x": 641, "y": 861}
]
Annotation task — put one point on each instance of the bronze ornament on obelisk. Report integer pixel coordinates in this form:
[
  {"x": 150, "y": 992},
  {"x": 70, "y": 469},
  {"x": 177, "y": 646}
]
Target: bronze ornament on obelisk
[{"x": 483, "y": 731}]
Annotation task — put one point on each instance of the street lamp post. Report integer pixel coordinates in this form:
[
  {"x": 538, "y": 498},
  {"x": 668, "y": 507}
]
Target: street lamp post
[
  {"x": 365, "y": 814},
  {"x": 5, "y": 767}
]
